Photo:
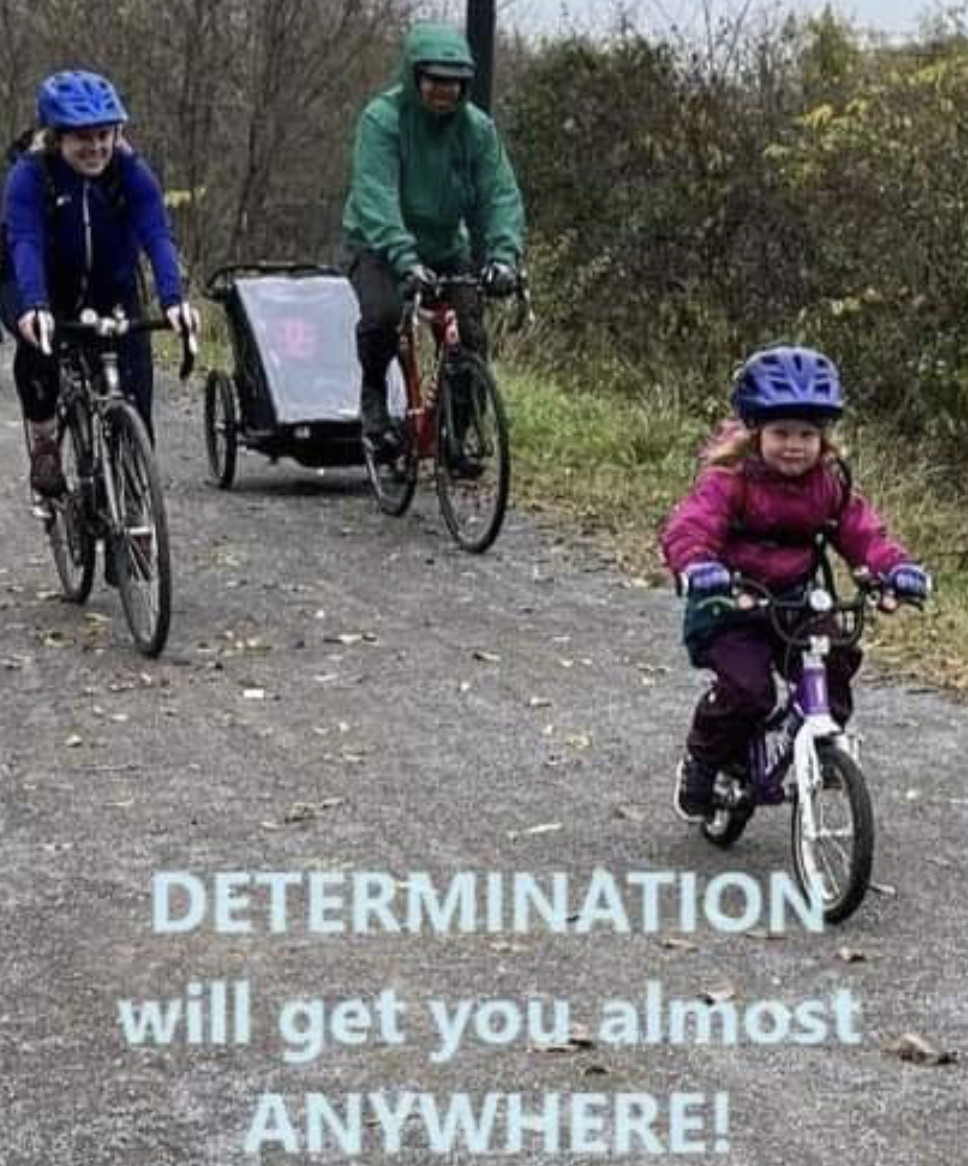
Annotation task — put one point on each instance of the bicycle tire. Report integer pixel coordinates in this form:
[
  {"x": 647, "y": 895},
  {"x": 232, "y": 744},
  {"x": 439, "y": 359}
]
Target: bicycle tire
[
  {"x": 142, "y": 557},
  {"x": 221, "y": 429},
  {"x": 840, "y": 896},
  {"x": 473, "y": 465},
  {"x": 72, "y": 541},
  {"x": 394, "y": 481}
]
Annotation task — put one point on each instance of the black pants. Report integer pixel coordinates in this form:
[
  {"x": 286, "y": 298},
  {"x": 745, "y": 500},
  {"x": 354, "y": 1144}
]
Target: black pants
[
  {"x": 381, "y": 307},
  {"x": 36, "y": 375}
]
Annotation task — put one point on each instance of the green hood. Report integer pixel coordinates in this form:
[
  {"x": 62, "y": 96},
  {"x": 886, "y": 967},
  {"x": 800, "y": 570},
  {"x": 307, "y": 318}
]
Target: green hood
[{"x": 438, "y": 43}]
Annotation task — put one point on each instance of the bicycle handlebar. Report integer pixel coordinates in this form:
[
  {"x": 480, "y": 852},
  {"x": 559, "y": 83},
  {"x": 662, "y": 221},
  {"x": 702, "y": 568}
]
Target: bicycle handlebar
[
  {"x": 110, "y": 329},
  {"x": 814, "y": 604},
  {"x": 414, "y": 302}
]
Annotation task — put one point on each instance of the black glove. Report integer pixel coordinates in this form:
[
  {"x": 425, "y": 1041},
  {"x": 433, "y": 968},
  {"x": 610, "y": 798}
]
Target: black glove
[
  {"x": 499, "y": 279},
  {"x": 418, "y": 279}
]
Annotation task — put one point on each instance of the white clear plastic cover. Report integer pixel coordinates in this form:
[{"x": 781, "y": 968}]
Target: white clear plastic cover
[{"x": 305, "y": 330}]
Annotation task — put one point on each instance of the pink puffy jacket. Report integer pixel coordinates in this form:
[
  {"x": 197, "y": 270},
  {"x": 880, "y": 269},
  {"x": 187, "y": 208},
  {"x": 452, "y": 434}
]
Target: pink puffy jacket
[{"x": 749, "y": 518}]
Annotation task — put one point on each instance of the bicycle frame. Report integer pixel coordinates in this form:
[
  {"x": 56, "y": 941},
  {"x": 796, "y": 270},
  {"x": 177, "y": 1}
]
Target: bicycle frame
[
  {"x": 783, "y": 751},
  {"x": 87, "y": 351},
  {"x": 95, "y": 386},
  {"x": 804, "y": 723},
  {"x": 422, "y": 392}
]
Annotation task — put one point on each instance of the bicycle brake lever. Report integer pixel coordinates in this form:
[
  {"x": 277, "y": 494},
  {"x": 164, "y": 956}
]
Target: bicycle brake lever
[{"x": 189, "y": 352}]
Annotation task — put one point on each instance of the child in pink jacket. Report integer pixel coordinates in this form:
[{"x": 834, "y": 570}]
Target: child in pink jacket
[{"x": 769, "y": 489}]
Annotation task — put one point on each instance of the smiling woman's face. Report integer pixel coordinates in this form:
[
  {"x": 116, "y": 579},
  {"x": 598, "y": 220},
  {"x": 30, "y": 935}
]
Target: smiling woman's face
[{"x": 89, "y": 150}]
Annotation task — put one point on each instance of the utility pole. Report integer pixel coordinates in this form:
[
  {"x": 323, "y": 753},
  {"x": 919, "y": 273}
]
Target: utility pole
[{"x": 481, "y": 20}]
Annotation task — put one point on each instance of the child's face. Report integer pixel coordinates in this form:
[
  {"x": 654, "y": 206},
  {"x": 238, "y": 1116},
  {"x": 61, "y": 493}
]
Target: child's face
[{"x": 791, "y": 447}]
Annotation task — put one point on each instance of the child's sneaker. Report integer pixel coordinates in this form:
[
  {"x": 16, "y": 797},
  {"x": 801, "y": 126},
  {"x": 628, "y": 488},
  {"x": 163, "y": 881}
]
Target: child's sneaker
[{"x": 692, "y": 800}]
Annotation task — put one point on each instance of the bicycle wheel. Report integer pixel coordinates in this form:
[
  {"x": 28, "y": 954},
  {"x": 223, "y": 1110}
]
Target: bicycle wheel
[
  {"x": 473, "y": 456},
  {"x": 140, "y": 542},
  {"x": 221, "y": 428},
  {"x": 837, "y": 859},
  {"x": 72, "y": 542},
  {"x": 394, "y": 480}
]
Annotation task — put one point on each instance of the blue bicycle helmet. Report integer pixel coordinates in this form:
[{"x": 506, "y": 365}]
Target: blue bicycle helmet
[
  {"x": 788, "y": 381},
  {"x": 77, "y": 100}
]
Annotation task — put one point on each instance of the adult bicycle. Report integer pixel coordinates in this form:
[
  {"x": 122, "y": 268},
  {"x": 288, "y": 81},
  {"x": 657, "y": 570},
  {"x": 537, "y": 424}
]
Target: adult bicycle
[
  {"x": 800, "y": 755},
  {"x": 113, "y": 492},
  {"x": 453, "y": 416}
]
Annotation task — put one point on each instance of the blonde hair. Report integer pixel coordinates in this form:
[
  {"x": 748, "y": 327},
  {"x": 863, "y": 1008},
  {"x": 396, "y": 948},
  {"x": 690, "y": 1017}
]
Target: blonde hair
[{"x": 733, "y": 442}]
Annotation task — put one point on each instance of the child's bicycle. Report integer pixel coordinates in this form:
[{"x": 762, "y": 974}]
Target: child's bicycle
[
  {"x": 113, "y": 487},
  {"x": 801, "y": 755},
  {"x": 453, "y": 415}
]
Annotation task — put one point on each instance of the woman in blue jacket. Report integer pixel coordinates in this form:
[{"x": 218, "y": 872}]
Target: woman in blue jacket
[{"x": 79, "y": 208}]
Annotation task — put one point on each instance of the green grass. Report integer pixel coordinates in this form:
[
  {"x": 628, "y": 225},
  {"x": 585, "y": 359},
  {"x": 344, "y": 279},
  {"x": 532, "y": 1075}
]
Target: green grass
[{"x": 618, "y": 466}]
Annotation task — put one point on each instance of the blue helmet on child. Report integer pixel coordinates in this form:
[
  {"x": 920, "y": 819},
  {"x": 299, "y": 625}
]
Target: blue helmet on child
[
  {"x": 75, "y": 100},
  {"x": 788, "y": 381}
]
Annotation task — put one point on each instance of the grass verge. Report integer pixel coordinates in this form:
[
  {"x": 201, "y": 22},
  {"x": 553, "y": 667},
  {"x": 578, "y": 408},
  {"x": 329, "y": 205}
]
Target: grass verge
[{"x": 616, "y": 467}]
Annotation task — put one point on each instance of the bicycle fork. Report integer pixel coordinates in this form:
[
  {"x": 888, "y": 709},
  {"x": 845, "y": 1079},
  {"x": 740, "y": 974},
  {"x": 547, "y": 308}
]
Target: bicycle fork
[{"x": 818, "y": 728}]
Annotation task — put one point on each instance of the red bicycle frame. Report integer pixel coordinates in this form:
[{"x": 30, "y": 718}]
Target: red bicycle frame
[{"x": 422, "y": 394}]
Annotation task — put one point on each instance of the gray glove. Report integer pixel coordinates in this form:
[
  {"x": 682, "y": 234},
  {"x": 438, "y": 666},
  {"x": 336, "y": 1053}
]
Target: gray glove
[{"x": 418, "y": 279}]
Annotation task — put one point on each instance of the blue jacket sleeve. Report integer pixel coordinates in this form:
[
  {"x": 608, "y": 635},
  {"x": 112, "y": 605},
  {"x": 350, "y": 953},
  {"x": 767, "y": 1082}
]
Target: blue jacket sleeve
[
  {"x": 24, "y": 212},
  {"x": 149, "y": 221}
]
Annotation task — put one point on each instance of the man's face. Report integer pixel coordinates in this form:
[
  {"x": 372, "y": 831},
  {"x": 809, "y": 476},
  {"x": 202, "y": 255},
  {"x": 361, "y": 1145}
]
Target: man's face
[
  {"x": 88, "y": 150},
  {"x": 439, "y": 94}
]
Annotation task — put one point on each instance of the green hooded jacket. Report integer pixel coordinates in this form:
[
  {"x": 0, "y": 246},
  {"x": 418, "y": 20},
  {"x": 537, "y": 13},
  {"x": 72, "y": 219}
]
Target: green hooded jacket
[{"x": 426, "y": 187}]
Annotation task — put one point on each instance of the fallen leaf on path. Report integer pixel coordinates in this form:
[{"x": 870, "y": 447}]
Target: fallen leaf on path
[
  {"x": 579, "y": 740},
  {"x": 718, "y": 994},
  {"x": 533, "y": 831},
  {"x": 673, "y": 943},
  {"x": 579, "y": 1037},
  {"x": 631, "y": 813},
  {"x": 913, "y": 1047}
]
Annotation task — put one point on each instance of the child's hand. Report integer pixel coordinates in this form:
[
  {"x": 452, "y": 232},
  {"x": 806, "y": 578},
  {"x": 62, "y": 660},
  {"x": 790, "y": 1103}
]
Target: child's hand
[
  {"x": 704, "y": 580},
  {"x": 905, "y": 581}
]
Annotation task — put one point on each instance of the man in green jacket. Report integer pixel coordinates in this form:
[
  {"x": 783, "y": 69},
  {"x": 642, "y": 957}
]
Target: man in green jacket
[{"x": 432, "y": 193}]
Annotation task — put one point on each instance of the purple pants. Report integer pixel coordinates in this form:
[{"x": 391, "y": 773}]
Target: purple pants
[{"x": 744, "y": 692}]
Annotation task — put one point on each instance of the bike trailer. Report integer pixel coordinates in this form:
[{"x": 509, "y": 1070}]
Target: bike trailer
[{"x": 295, "y": 386}]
